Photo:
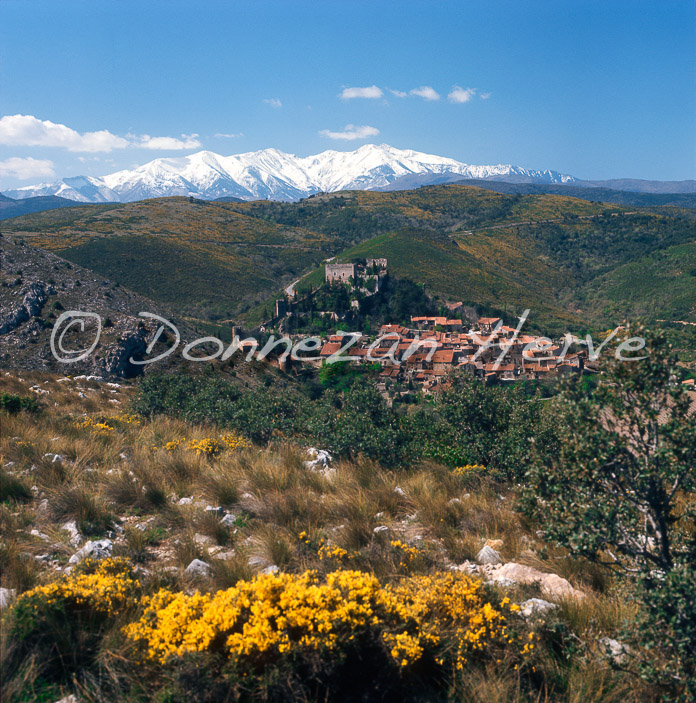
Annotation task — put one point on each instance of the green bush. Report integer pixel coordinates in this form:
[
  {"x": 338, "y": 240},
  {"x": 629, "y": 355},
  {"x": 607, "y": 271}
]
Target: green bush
[{"x": 16, "y": 403}]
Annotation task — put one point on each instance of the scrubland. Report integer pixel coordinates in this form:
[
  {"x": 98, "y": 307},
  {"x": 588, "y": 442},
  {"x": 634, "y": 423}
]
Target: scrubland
[{"x": 338, "y": 581}]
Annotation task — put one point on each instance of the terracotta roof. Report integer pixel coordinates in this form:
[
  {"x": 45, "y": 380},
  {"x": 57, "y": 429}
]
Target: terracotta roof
[
  {"x": 330, "y": 348},
  {"x": 500, "y": 367},
  {"x": 443, "y": 356}
]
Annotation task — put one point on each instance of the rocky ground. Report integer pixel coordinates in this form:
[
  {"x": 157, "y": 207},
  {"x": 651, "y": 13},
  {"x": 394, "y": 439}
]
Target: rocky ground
[{"x": 37, "y": 287}]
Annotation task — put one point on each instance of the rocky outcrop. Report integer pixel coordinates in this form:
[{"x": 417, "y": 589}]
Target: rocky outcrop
[
  {"x": 33, "y": 300},
  {"x": 116, "y": 359},
  {"x": 550, "y": 584}
]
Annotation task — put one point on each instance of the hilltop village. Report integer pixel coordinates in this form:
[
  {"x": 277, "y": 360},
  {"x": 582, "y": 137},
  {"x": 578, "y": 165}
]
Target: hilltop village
[
  {"x": 431, "y": 348},
  {"x": 423, "y": 354}
]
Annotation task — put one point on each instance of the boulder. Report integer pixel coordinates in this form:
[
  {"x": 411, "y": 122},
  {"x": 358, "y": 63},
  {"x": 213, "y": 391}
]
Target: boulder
[
  {"x": 97, "y": 549},
  {"x": 198, "y": 568},
  {"x": 535, "y": 606},
  {"x": 488, "y": 555},
  {"x": 550, "y": 584},
  {"x": 272, "y": 569},
  {"x": 6, "y": 597}
]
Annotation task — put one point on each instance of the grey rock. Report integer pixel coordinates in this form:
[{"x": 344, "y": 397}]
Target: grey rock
[
  {"x": 6, "y": 597},
  {"x": 551, "y": 584},
  {"x": 97, "y": 549},
  {"x": 34, "y": 299},
  {"x": 617, "y": 651},
  {"x": 536, "y": 606},
  {"x": 228, "y": 520},
  {"x": 488, "y": 555},
  {"x": 272, "y": 569},
  {"x": 381, "y": 529},
  {"x": 75, "y": 536},
  {"x": 198, "y": 568},
  {"x": 203, "y": 540}
]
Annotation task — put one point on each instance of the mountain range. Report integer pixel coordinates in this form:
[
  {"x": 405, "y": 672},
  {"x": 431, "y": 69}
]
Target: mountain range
[{"x": 274, "y": 175}]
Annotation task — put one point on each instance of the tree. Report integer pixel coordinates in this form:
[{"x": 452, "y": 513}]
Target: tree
[{"x": 619, "y": 489}]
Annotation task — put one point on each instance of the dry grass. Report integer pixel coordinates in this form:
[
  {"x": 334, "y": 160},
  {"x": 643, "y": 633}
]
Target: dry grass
[{"x": 281, "y": 514}]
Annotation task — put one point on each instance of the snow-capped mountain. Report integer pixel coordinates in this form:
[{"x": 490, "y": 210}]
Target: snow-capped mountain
[{"x": 272, "y": 174}]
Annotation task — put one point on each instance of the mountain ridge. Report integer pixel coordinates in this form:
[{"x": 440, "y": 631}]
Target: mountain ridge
[{"x": 271, "y": 174}]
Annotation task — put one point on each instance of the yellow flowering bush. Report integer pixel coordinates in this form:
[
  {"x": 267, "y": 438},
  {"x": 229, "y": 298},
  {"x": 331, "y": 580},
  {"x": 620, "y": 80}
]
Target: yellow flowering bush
[
  {"x": 233, "y": 441},
  {"x": 100, "y": 588},
  {"x": 449, "y": 606},
  {"x": 468, "y": 470},
  {"x": 276, "y": 614},
  {"x": 209, "y": 446},
  {"x": 328, "y": 551},
  {"x": 104, "y": 425}
]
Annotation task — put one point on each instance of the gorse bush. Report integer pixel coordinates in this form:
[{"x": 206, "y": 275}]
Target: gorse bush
[
  {"x": 60, "y": 624},
  {"x": 445, "y": 617}
]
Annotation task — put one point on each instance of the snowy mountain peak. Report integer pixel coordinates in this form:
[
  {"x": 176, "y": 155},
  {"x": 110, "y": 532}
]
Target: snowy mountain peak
[{"x": 271, "y": 173}]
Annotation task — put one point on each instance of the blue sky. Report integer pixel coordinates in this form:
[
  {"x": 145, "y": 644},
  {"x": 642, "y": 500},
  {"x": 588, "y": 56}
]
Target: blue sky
[{"x": 594, "y": 89}]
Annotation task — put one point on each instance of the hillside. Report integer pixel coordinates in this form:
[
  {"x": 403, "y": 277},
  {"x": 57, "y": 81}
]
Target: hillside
[
  {"x": 37, "y": 287},
  {"x": 569, "y": 260},
  {"x": 202, "y": 258},
  {"x": 572, "y": 261},
  {"x": 680, "y": 197},
  {"x": 15, "y": 208}
]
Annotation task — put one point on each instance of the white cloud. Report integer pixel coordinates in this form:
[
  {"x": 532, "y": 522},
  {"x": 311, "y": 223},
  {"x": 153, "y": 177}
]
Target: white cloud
[
  {"x": 399, "y": 93},
  {"x": 27, "y": 130},
  {"x": 425, "y": 92},
  {"x": 371, "y": 91},
  {"x": 222, "y": 135},
  {"x": 273, "y": 102},
  {"x": 187, "y": 141},
  {"x": 485, "y": 96},
  {"x": 24, "y": 169},
  {"x": 351, "y": 132},
  {"x": 461, "y": 95}
]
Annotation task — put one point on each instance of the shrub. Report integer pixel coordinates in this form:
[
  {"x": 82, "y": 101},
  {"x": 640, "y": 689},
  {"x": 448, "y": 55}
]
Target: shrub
[
  {"x": 60, "y": 624},
  {"x": 15, "y": 403},
  {"x": 620, "y": 488},
  {"x": 445, "y": 617}
]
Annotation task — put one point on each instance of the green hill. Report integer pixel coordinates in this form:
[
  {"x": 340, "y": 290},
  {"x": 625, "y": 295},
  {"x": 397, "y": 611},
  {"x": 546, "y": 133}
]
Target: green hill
[
  {"x": 571, "y": 261},
  {"x": 202, "y": 258}
]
